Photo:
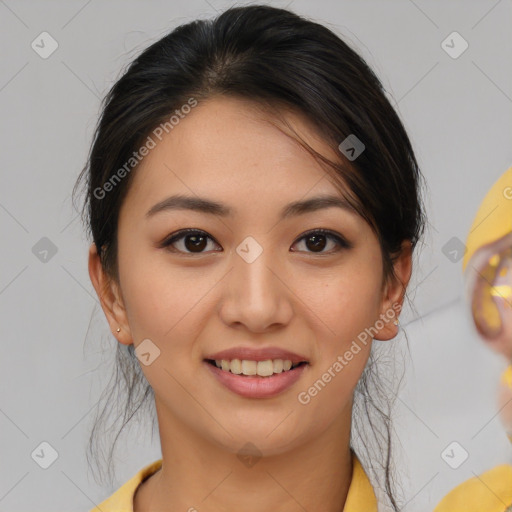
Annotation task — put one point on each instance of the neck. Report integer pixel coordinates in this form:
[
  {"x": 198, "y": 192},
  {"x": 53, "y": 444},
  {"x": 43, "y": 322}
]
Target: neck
[{"x": 198, "y": 474}]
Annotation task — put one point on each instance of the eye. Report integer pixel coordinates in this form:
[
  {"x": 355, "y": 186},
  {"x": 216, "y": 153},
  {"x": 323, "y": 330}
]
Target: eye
[
  {"x": 317, "y": 241},
  {"x": 193, "y": 240}
]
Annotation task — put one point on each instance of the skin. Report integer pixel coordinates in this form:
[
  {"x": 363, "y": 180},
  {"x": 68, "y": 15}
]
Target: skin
[{"x": 192, "y": 305}]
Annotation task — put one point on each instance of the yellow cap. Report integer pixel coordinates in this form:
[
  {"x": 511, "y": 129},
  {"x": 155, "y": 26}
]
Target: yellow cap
[{"x": 494, "y": 217}]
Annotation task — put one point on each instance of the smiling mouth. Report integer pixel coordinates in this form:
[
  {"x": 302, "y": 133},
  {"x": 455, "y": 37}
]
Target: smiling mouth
[{"x": 248, "y": 368}]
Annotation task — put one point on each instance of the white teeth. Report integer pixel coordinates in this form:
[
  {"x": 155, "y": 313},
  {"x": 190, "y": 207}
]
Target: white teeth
[
  {"x": 278, "y": 366},
  {"x": 247, "y": 367},
  {"x": 265, "y": 368},
  {"x": 235, "y": 366}
]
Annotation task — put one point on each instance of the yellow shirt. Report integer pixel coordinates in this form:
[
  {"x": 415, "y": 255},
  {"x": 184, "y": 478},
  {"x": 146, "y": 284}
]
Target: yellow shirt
[
  {"x": 488, "y": 492},
  {"x": 360, "y": 497}
]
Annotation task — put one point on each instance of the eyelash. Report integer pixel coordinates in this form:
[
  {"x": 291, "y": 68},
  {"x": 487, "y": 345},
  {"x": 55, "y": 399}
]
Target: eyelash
[{"x": 175, "y": 237}]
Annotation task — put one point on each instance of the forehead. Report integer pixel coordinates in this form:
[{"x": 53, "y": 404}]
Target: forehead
[{"x": 230, "y": 148}]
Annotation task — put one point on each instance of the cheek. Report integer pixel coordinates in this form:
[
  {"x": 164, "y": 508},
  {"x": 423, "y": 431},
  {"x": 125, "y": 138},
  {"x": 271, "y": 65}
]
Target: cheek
[
  {"x": 348, "y": 304},
  {"x": 346, "y": 300},
  {"x": 160, "y": 298},
  {"x": 168, "y": 307}
]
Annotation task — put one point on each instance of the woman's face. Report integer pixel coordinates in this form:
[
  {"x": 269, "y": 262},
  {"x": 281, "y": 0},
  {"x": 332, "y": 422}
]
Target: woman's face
[{"x": 249, "y": 280}]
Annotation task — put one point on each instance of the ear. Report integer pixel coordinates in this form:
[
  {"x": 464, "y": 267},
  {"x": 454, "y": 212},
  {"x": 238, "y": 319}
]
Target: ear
[
  {"x": 393, "y": 293},
  {"x": 110, "y": 297}
]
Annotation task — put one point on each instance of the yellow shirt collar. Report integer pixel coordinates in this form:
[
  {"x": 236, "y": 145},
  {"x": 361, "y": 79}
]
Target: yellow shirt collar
[{"x": 360, "y": 495}]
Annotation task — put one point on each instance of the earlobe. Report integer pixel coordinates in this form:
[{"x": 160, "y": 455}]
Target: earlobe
[
  {"x": 394, "y": 291},
  {"x": 110, "y": 298}
]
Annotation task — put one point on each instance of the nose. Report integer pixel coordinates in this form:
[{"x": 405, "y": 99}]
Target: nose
[{"x": 256, "y": 293}]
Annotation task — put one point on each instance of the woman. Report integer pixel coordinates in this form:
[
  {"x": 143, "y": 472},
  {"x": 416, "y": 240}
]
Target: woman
[{"x": 254, "y": 202}]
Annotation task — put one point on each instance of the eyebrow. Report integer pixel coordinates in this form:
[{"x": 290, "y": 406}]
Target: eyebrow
[{"x": 208, "y": 206}]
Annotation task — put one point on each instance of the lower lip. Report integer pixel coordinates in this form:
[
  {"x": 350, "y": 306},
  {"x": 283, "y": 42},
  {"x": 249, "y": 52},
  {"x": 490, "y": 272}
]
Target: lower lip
[{"x": 254, "y": 386}]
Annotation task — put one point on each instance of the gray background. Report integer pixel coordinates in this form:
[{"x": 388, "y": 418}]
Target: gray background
[{"x": 458, "y": 113}]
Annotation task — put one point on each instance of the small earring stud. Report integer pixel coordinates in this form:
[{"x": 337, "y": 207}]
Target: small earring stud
[
  {"x": 119, "y": 329},
  {"x": 395, "y": 322}
]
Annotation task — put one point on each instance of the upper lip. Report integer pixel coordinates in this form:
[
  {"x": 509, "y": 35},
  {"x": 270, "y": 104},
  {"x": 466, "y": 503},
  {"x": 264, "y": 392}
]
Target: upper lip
[{"x": 260, "y": 354}]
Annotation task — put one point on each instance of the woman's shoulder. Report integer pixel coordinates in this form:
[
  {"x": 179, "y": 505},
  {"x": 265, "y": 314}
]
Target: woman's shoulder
[
  {"x": 122, "y": 499},
  {"x": 490, "y": 491}
]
